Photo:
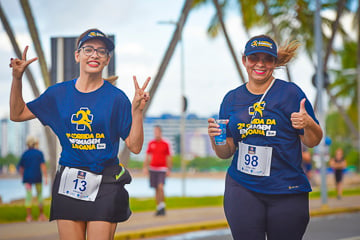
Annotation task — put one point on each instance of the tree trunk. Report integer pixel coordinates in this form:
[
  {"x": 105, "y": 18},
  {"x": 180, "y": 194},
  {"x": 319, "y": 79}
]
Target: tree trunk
[
  {"x": 35, "y": 37},
  {"x": 335, "y": 25},
  {"x": 50, "y": 137},
  {"x": 221, "y": 20},
  {"x": 276, "y": 33},
  {"x": 18, "y": 52}
]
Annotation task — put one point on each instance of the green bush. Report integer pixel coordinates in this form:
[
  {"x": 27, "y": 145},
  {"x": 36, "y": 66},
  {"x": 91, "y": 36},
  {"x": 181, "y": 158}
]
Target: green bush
[
  {"x": 135, "y": 164},
  {"x": 198, "y": 164},
  {"x": 209, "y": 163},
  {"x": 9, "y": 159},
  {"x": 352, "y": 159}
]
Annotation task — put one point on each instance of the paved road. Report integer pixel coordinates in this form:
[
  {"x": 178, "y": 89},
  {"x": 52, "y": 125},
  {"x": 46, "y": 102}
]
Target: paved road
[
  {"x": 332, "y": 227},
  {"x": 144, "y": 224}
]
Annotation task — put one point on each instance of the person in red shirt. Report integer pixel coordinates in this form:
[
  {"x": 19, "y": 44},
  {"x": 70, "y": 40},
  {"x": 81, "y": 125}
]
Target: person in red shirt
[{"x": 157, "y": 165}]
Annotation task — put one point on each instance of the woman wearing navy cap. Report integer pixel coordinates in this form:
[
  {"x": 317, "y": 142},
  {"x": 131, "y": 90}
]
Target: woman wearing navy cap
[
  {"x": 89, "y": 116},
  {"x": 266, "y": 193}
]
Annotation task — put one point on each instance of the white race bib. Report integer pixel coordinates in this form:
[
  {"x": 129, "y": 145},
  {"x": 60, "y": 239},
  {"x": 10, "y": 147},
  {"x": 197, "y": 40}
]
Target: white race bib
[
  {"x": 79, "y": 184},
  {"x": 254, "y": 160}
]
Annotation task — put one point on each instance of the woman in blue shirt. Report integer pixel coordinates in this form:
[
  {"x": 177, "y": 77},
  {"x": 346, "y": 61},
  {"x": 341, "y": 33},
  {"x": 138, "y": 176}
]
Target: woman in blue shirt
[
  {"x": 32, "y": 167},
  {"x": 266, "y": 192},
  {"x": 89, "y": 116}
]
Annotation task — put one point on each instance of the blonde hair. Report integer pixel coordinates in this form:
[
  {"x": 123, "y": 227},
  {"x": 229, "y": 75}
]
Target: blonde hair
[
  {"x": 287, "y": 52},
  {"x": 112, "y": 79},
  {"x": 32, "y": 142}
]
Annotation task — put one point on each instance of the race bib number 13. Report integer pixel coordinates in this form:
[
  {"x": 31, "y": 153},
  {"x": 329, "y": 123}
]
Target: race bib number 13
[
  {"x": 254, "y": 160},
  {"x": 79, "y": 184}
]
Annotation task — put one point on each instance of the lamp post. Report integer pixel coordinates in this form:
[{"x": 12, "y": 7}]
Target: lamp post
[
  {"x": 320, "y": 86},
  {"x": 183, "y": 104}
]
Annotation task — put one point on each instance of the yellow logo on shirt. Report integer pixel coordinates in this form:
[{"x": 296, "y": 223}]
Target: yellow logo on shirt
[
  {"x": 83, "y": 118},
  {"x": 85, "y": 140},
  {"x": 257, "y": 107}
]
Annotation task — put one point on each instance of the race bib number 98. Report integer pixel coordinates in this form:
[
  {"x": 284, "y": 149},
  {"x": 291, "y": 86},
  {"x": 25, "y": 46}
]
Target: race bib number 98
[
  {"x": 79, "y": 184},
  {"x": 254, "y": 160}
]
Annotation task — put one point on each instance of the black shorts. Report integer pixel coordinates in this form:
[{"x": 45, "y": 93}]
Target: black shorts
[
  {"x": 156, "y": 178},
  {"x": 111, "y": 203},
  {"x": 338, "y": 175}
]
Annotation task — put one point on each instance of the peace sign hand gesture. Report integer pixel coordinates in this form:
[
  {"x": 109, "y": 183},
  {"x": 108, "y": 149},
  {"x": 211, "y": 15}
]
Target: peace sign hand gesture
[
  {"x": 19, "y": 65},
  {"x": 140, "y": 97}
]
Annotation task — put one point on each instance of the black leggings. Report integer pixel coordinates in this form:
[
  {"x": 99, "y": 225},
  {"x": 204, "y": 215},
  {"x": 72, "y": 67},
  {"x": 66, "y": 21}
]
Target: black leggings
[{"x": 253, "y": 215}]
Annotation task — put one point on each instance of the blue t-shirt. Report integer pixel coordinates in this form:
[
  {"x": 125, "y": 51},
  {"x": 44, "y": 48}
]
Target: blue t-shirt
[
  {"x": 31, "y": 161},
  {"x": 271, "y": 127},
  {"x": 89, "y": 125}
]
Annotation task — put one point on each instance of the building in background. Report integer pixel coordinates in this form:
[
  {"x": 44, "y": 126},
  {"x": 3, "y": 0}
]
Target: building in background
[
  {"x": 197, "y": 142},
  {"x": 64, "y": 67}
]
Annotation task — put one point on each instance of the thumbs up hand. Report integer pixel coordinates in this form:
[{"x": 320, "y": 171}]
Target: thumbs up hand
[{"x": 300, "y": 119}]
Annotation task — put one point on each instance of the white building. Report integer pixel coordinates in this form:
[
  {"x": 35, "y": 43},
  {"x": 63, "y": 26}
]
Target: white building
[{"x": 197, "y": 142}]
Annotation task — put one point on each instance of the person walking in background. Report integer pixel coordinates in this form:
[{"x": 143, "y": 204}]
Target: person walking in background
[
  {"x": 338, "y": 164},
  {"x": 157, "y": 165},
  {"x": 89, "y": 116},
  {"x": 266, "y": 191},
  {"x": 32, "y": 168},
  {"x": 307, "y": 163}
]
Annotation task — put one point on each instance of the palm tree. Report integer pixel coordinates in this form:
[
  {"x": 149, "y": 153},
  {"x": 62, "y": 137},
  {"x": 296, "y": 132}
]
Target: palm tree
[
  {"x": 50, "y": 136},
  {"x": 300, "y": 23},
  {"x": 35, "y": 37},
  {"x": 335, "y": 25},
  {"x": 345, "y": 85},
  {"x": 18, "y": 52},
  {"x": 219, "y": 13}
]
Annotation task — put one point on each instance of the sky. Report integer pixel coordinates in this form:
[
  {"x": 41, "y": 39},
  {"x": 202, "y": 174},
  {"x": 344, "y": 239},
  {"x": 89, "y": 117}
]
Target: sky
[{"x": 140, "y": 44}]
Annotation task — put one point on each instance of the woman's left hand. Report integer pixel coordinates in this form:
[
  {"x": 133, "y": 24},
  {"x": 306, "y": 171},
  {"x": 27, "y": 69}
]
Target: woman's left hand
[
  {"x": 141, "y": 97},
  {"x": 300, "y": 119}
]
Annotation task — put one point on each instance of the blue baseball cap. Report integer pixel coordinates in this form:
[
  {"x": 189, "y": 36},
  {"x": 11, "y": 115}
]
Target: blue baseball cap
[
  {"x": 97, "y": 34},
  {"x": 261, "y": 45}
]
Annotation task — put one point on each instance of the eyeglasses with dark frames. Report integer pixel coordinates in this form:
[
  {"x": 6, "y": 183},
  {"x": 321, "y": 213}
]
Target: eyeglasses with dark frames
[{"x": 89, "y": 50}]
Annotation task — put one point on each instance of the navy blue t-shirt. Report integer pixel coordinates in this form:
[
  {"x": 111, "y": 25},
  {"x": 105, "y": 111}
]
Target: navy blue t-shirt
[
  {"x": 31, "y": 161},
  {"x": 89, "y": 125},
  {"x": 271, "y": 127}
]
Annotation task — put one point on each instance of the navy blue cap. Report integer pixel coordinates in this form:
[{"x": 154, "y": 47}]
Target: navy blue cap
[
  {"x": 96, "y": 34},
  {"x": 261, "y": 45}
]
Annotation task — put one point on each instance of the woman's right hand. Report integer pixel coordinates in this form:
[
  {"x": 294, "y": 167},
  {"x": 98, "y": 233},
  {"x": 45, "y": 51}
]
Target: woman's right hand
[
  {"x": 222, "y": 151},
  {"x": 213, "y": 128},
  {"x": 19, "y": 65}
]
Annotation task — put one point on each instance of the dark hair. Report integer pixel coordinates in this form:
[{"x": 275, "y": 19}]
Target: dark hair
[
  {"x": 158, "y": 126},
  {"x": 111, "y": 79}
]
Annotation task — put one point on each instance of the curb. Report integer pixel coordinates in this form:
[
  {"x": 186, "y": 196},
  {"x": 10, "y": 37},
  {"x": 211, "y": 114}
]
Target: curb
[
  {"x": 328, "y": 211},
  {"x": 207, "y": 225},
  {"x": 170, "y": 230}
]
